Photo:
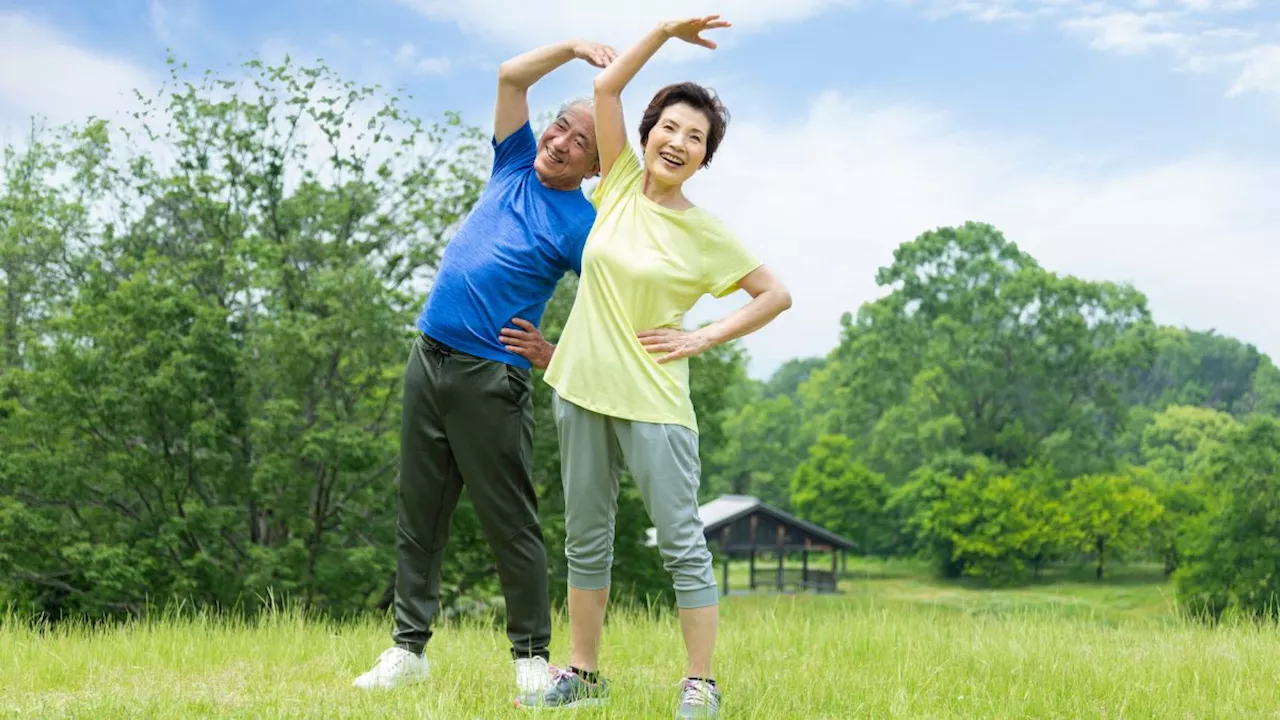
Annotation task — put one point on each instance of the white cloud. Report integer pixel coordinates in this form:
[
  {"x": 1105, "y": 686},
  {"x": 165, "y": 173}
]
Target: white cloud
[
  {"x": 1196, "y": 234},
  {"x": 1219, "y": 5},
  {"x": 519, "y": 24},
  {"x": 41, "y": 72},
  {"x": 1261, "y": 72},
  {"x": 407, "y": 59},
  {"x": 1201, "y": 35},
  {"x": 159, "y": 17},
  {"x": 177, "y": 23},
  {"x": 1128, "y": 32}
]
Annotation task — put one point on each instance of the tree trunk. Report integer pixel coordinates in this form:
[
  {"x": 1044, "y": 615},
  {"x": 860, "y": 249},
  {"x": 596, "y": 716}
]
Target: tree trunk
[
  {"x": 9, "y": 358},
  {"x": 1100, "y": 544}
]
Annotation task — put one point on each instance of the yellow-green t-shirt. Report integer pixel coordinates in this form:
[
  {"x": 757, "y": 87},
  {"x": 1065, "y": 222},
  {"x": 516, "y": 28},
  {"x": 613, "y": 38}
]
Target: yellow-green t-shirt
[{"x": 644, "y": 266}]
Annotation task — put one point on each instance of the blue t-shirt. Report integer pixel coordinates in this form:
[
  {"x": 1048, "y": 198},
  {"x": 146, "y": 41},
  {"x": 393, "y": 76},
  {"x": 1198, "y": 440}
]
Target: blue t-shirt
[{"x": 507, "y": 257}]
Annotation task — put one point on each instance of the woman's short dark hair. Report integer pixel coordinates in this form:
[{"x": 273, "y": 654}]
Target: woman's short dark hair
[{"x": 699, "y": 98}]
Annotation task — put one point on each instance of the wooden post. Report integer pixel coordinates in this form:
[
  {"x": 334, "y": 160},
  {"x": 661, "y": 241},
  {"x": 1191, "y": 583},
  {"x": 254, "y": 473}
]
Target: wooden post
[
  {"x": 781, "y": 554},
  {"x": 725, "y": 537},
  {"x": 752, "y": 566},
  {"x": 726, "y": 576},
  {"x": 804, "y": 566},
  {"x": 835, "y": 569}
]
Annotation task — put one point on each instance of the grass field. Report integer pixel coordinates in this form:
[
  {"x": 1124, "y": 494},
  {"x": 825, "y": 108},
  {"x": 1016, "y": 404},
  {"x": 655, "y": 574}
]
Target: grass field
[{"x": 894, "y": 645}]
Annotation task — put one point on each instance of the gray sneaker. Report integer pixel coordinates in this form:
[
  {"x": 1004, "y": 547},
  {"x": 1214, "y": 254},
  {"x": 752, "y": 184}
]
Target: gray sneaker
[
  {"x": 698, "y": 699},
  {"x": 569, "y": 691}
]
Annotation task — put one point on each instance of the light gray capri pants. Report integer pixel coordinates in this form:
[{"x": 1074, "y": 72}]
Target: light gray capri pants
[{"x": 663, "y": 459}]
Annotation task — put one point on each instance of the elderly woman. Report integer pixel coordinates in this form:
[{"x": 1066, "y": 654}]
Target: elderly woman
[{"x": 621, "y": 373}]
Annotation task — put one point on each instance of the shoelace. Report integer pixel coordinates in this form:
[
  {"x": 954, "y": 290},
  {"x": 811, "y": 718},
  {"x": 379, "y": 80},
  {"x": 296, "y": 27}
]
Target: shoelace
[
  {"x": 697, "y": 693},
  {"x": 561, "y": 674},
  {"x": 391, "y": 658}
]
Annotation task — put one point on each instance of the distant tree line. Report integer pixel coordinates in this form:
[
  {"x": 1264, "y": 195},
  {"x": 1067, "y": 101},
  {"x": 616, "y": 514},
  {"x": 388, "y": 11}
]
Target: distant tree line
[{"x": 206, "y": 317}]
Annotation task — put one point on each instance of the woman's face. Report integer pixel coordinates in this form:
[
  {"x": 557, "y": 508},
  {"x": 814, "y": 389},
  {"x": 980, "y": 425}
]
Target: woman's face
[{"x": 677, "y": 144}]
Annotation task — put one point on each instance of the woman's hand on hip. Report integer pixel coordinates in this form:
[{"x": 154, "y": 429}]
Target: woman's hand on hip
[{"x": 675, "y": 343}]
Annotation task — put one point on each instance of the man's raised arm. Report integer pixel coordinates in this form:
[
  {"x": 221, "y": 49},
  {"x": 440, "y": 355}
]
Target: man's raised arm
[{"x": 517, "y": 75}]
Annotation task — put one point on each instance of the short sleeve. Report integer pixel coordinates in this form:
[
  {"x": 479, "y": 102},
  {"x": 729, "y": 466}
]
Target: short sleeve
[
  {"x": 516, "y": 151},
  {"x": 726, "y": 260},
  {"x": 621, "y": 180}
]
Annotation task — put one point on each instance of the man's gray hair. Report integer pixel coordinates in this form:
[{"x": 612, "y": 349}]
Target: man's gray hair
[{"x": 586, "y": 103}]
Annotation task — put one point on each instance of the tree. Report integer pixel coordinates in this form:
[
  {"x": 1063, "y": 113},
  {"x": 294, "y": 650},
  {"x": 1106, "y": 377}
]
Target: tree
[
  {"x": 1109, "y": 514},
  {"x": 760, "y": 452},
  {"x": 914, "y": 504},
  {"x": 1264, "y": 392},
  {"x": 1028, "y": 363},
  {"x": 830, "y": 489},
  {"x": 215, "y": 415},
  {"x": 1201, "y": 369},
  {"x": 999, "y": 526},
  {"x": 1234, "y": 565},
  {"x": 788, "y": 378},
  {"x": 1178, "y": 446}
]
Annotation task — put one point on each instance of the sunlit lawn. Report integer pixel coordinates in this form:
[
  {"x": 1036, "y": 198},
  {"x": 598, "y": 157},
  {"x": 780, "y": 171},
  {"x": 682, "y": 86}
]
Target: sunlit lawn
[{"x": 894, "y": 643}]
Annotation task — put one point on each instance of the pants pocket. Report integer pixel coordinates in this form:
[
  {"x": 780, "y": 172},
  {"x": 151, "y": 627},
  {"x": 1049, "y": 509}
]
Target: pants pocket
[{"x": 519, "y": 383}]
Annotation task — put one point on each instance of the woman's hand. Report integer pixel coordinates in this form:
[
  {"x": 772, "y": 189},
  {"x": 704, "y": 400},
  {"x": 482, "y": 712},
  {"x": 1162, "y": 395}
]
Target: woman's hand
[
  {"x": 675, "y": 343},
  {"x": 689, "y": 30}
]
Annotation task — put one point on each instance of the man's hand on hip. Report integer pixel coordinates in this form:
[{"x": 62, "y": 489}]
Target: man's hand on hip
[{"x": 528, "y": 343}]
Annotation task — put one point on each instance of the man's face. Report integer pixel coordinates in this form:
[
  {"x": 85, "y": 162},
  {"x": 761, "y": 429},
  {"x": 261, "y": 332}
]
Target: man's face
[{"x": 567, "y": 150}]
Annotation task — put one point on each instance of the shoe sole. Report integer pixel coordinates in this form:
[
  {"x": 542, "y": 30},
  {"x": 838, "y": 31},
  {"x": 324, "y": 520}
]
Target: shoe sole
[
  {"x": 588, "y": 702},
  {"x": 380, "y": 686}
]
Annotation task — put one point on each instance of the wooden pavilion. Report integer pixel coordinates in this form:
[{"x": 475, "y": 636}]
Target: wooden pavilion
[{"x": 741, "y": 526}]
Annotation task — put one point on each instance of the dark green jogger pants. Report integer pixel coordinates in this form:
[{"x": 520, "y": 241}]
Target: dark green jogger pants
[{"x": 468, "y": 422}]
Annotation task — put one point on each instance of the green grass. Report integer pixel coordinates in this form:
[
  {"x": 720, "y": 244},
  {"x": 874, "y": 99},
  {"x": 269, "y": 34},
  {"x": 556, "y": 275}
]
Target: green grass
[{"x": 893, "y": 645}]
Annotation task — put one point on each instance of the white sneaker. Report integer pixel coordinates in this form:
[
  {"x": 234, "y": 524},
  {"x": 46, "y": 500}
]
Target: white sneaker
[
  {"x": 533, "y": 679},
  {"x": 395, "y": 667}
]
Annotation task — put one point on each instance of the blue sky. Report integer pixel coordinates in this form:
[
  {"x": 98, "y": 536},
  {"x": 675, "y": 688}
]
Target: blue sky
[{"x": 1128, "y": 140}]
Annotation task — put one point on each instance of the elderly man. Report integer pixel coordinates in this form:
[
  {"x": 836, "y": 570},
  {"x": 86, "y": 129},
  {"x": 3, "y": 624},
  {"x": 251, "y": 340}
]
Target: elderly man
[{"x": 468, "y": 415}]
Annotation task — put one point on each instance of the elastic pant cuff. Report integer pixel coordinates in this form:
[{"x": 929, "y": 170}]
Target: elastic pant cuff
[
  {"x": 520, "y": 655},
  {"x": 702, "y": 597},
  {"x": 588, "y": 581}
]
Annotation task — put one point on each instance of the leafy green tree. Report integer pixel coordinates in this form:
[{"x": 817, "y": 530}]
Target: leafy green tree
[
  {"x": 915, "y": 505},
  {"x": 1028, "y": 363},
  {"x": 1201, "y": 369},
  {"x": 992, "y": 525},
  {"x": 834, "y": 491},
  {"x": 1109, "y": 515},
  {"x": 922, "y": 427},
  {"x": 1234, "y": 565},
  {"x": 1178, "y": 447},
  {"x": 1264, "y": 393},
  {"x": 788, "y": 378},
  {"x": 215, "y": 415},
  {"x": 760, "y": 451}
]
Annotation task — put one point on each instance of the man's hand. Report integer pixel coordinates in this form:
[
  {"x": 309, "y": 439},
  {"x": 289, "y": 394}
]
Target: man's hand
[
  {"x": 528, "y": 343},
  {"x": 688, "y": 30},
  {"x": 675, "y": 343},
  {"x": 594, "y": 53}
]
